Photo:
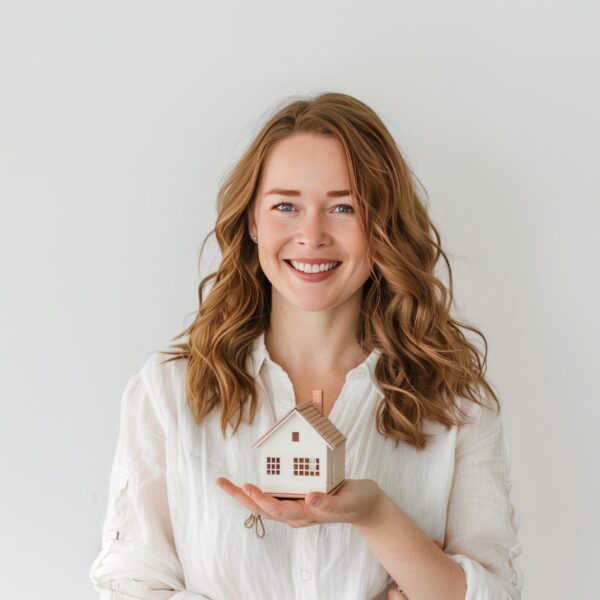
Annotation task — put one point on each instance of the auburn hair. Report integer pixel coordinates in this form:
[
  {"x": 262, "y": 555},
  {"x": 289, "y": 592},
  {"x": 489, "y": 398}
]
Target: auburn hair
[{"x": 426, "y": 361}]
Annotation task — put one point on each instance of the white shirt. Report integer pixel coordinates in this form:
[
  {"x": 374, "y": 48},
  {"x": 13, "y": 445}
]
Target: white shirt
[{"x": 171, "y": 532}]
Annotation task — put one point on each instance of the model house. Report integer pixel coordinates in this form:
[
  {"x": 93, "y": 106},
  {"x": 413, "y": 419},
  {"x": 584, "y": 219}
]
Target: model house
[{"x": 303, "y": 452}]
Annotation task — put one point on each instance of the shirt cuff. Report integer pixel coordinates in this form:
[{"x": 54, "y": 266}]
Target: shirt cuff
[{"x": 483, "y": 584}]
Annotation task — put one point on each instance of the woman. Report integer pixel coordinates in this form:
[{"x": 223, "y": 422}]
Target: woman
[{"x": 425, "y": 511}]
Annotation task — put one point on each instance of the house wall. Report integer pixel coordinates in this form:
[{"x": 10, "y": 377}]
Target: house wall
[
  {"x": 311, "y": 445},
  {"x": 338, "y": 458}
]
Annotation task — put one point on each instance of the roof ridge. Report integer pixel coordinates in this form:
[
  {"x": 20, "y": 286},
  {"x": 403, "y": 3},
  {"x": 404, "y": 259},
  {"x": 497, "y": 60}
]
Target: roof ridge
[{"x": 320, "y": 423}]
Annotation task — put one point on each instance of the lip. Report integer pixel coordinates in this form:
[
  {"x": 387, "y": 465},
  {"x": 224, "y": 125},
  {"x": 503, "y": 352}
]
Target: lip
[
  {"x": 313, "y": 277},
  {"x": 314, "y": 261}
]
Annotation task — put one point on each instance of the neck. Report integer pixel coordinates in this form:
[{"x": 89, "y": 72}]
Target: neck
[{"x": 315, "y": 342}]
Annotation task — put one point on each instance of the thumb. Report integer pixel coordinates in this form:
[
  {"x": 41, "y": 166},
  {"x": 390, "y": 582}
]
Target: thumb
[{"x": 318, "y": 501}]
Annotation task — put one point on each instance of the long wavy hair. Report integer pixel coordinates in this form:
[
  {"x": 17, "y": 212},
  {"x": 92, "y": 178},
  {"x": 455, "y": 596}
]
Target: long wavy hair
[{"x": 426, "y": 361}]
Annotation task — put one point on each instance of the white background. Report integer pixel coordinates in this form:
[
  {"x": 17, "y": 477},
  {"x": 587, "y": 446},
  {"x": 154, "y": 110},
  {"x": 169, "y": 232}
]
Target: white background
[{"x": 118, "y": 121}]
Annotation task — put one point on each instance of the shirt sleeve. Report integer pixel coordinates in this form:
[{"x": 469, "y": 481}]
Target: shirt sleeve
[
  {"x": 138, "y": 559},
  {"x": 482, "y": 524}
]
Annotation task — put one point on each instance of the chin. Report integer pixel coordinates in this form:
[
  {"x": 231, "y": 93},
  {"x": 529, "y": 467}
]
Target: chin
[{"x": 311, "y": 304}]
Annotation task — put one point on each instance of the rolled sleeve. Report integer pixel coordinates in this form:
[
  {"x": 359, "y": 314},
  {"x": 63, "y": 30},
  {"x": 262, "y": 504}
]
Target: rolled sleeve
[
  {"x": 138, "y": 559},
  {"x": 482, "y": 524}
]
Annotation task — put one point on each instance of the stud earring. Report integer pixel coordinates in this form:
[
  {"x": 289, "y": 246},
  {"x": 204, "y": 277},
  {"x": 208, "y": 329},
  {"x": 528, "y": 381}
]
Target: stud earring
[{"x": 254, "y": 238}]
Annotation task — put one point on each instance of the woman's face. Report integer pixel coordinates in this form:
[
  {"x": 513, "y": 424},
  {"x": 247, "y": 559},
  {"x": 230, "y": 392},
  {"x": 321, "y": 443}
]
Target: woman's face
[{"x": 303, "y": 212}]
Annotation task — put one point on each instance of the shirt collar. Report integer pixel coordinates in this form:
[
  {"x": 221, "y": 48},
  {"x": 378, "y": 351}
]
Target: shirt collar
[{"x": 260, "y": 354}]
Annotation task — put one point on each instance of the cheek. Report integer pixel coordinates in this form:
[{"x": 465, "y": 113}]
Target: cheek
[
  {"x": 273, "y": 224},
  {"x": 360, "y": 250},
  {"x": 364, "y": 272},
  {"x": 274, "y": 237},
  {"x": 359, "y": 245}
]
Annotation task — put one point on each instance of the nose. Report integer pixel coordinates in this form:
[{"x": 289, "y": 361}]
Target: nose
[{"x": 313, "y": 230}]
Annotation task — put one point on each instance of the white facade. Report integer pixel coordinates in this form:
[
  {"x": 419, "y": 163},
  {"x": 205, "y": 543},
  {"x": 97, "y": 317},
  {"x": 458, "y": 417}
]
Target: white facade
[{"x": 296, "y": 459}]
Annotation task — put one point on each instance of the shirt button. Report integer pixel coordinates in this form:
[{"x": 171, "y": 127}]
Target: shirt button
[{"x": 305, "y": 575}]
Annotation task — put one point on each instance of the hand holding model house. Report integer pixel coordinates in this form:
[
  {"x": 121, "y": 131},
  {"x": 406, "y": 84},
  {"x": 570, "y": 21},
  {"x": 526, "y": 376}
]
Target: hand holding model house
[
  {"x": 302, "y": 460},
  {"x": 303, "y": 479}
]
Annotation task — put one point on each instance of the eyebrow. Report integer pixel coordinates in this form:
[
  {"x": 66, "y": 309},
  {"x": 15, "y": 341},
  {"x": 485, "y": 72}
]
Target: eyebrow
[{"x": 332, "y": 194}]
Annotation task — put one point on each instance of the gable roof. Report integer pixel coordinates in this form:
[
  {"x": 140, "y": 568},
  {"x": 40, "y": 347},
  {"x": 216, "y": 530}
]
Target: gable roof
[{"x": 322, "y": 425}]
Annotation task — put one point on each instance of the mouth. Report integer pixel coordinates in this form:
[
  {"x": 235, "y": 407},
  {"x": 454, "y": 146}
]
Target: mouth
[{"x": 336, "y": 263}]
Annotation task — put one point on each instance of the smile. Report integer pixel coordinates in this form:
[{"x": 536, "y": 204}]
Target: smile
[{"x": 318, "y": 276}]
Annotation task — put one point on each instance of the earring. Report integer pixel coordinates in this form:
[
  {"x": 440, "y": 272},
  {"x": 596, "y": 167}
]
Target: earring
[{"x": 254, "y": 238}]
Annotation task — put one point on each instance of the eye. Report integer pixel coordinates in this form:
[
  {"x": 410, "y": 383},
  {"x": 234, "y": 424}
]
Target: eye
[
  {"x": 282, "y": 204},
  {"x": 346, "y": 206}
]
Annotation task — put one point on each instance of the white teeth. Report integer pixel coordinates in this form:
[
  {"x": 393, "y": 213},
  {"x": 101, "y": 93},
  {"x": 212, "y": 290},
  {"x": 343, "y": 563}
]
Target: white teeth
[{"x": 313, "y": 268}]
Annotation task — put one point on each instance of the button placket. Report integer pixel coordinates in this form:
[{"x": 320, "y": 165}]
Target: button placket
[{"x": 307, "y": 561}]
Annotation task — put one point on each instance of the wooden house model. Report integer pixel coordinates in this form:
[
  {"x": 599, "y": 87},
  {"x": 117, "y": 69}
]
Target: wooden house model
[{"x": 303, "y": 452}]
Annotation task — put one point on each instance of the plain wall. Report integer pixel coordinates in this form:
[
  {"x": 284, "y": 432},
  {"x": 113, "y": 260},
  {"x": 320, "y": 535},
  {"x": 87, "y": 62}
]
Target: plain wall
[{"x": 118, "y": 121}]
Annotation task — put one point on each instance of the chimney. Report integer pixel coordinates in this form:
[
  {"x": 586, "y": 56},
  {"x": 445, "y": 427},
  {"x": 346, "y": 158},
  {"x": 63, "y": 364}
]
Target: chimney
[{"x": 317, "y": 400}]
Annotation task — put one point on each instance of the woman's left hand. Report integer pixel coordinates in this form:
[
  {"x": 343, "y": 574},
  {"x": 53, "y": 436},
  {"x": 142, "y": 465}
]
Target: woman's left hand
[{"x": 357, "y": 501}]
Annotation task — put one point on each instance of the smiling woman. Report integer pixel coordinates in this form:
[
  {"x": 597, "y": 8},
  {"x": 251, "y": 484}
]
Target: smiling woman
[
  {"x": 327, "y": 281},
  {"x": 315, "y": 229}
]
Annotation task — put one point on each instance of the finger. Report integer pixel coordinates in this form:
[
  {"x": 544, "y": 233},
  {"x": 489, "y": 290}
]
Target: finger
[
  {"x": 284, "y": 510},
  {"x": 315, "y": 499},
  {"x": 395, "y": 594},
  {"x": 238, "y": 494},
  {"x": 326, "y": 507},
  {"x": 351, "y": 497}
]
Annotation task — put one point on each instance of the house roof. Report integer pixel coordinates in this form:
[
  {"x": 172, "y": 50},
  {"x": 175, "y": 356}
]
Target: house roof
[{"x": 322, "y": 425}]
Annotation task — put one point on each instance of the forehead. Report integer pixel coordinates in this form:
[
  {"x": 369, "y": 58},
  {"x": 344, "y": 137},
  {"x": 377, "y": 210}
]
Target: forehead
[{"x": 305, "y": 162}]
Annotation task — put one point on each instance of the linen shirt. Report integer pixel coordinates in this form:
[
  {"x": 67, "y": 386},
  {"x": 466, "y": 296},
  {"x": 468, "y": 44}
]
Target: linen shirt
[{"x": 171, "y": 532}]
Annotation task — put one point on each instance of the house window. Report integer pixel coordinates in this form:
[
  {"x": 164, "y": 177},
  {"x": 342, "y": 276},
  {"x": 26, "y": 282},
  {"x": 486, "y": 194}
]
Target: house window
[
  {"x": 273, "y": 465},
  {"x": 295, "y": 436},
  {"x": 306, "y": 466}
]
